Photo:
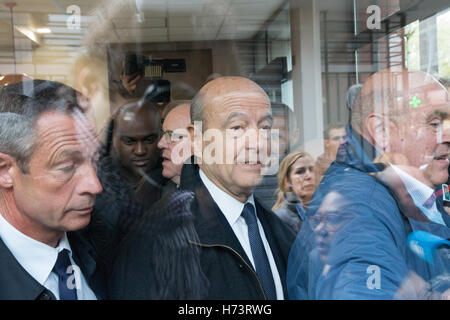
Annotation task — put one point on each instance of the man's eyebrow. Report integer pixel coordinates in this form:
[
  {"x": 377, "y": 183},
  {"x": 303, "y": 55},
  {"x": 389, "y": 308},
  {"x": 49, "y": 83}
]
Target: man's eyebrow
[
  {"x": 67, "y": 154},
  {"x": 137, "y": 138},
  {"x": 236, "y": 114},
  {"x": 439, "y": 114},
  {"x": 267, "y": 117}
]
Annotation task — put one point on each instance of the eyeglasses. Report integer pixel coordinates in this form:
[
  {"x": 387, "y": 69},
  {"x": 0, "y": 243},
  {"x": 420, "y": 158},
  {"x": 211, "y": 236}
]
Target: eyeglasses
[{"x": 172, "y": 137}]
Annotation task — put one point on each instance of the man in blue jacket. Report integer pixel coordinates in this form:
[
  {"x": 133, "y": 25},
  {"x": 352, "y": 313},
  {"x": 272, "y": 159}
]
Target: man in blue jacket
[{"x": 354, "y": 245}]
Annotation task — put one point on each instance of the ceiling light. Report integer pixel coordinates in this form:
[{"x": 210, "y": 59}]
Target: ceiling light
[{"x": 43, "y": 30}]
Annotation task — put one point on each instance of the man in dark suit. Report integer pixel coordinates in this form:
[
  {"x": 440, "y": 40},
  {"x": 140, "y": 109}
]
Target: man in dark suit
[
  {"x": 243, "y": 246},
  {"x": 48, "y": 185}
]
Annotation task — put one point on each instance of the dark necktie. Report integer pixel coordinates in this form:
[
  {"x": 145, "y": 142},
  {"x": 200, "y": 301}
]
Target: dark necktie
[
  {"x": 66, "y": 292},
  {"x": 432, "y": 199},
  {"x": 259, "y": 254}
]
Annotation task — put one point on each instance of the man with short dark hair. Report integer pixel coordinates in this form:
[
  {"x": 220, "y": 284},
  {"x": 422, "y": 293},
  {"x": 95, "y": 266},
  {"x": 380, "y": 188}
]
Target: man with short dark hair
[
  {"x": 333, "y": 136},
  {"x": 134, "y": 152},
  {"x": 137, "y": 129},
  {"x": 129, "y": 169},
  {"x": 48, "y": 185}
]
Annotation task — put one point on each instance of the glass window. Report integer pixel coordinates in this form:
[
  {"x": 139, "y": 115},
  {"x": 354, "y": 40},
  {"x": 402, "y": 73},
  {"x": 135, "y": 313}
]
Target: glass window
[{"x": 354, "y": 87}]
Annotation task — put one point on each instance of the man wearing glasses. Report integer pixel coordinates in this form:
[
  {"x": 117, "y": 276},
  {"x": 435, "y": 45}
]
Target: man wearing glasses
[{"x": 175, "y": 143}]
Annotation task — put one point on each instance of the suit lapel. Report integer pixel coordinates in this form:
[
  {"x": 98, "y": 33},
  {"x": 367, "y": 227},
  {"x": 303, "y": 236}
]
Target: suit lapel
[
  {"x": 211, "y": 225},
  {"x": 213, "y": 228},
  {"x": 86, "y": 258},
  {"x": 16, "y": 283}
]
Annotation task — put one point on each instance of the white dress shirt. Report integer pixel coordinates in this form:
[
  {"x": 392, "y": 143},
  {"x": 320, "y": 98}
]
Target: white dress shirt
[
  {"x": 420, "y": 193},
  {"x": 232, "y": 209},
  {"x": 38, "y": 260}
]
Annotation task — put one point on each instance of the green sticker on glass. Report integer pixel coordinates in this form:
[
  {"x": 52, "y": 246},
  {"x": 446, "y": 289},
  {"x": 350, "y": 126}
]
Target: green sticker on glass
[{"x": 415, "y": 102}]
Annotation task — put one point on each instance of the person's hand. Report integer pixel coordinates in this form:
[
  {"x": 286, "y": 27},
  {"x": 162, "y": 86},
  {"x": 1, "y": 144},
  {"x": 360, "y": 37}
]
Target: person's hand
[
  {"x": 321, "y": 166},
  {"x": 130, "y": 81}
]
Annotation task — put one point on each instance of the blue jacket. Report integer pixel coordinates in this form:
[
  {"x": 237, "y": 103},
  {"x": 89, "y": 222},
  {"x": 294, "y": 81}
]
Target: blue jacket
[{"x": 353, "y": 243}]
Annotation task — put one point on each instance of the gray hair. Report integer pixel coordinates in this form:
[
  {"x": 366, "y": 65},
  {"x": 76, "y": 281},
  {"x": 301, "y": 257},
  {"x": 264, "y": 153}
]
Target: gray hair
[
  {"x": 17, "y": 138},
  {"x": 383, "y": 101},
  {"x": 21, "y": 104},
  {"x": 352, "y": 93},
  {"x": 386, "y": 99},
  {"x": 197, "y": 107}
]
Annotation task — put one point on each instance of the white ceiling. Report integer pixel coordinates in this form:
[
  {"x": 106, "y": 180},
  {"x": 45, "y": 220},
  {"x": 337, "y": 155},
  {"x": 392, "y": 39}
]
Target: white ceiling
[{"x": 160, "y": 20}]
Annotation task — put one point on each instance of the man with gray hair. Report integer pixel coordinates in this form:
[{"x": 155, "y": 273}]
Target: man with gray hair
[
  {"x": 354, "y": 244},
  {"x": 48, "y": 185}
]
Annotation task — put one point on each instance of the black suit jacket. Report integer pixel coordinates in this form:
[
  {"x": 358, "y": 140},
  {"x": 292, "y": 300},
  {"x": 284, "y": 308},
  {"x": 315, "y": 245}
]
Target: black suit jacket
[
  {"x": 18, "y": 284},
  {"x": 223, "y": 260}
]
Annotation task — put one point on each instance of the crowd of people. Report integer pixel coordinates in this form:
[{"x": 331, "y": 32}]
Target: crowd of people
[{"x": 164, "y": 208}]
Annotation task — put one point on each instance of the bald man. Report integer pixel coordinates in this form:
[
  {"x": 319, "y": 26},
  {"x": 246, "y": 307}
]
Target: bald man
[
  {"x": 355, "y": 244},
  {"x": 243, "y": 246},
  {"x": 132, "y": 153},
  {"x": 137, "y": 129},
  {"x": 175, "y": 143}
]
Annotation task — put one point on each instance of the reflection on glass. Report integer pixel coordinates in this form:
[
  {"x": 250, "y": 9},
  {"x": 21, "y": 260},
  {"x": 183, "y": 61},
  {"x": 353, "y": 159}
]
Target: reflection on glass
[{"x": 353, "y": 85}]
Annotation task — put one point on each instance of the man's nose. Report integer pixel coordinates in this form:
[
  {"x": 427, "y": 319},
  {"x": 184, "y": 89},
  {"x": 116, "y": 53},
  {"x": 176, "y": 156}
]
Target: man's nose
[
  {"x": 90, "y": 183},
  {"x": 257, "y": 139},
  {"x": 140, "y": 149},
  {"x": 445, "y": 138},
  {"x": 319, "y": 230},
  {"x": 162, "y": 143}
]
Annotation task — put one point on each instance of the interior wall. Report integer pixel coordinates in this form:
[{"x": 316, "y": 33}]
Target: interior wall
[
  {"x": 184, "y": 85},
  {"x": 225, "y": 57}
]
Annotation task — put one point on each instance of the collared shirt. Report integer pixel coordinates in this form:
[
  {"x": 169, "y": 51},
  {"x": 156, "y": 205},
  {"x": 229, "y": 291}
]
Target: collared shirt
[
  {"x": 232, "y": 209},
  {"x": 38, "y": 260},
  {"x": 420, "y": 193}
]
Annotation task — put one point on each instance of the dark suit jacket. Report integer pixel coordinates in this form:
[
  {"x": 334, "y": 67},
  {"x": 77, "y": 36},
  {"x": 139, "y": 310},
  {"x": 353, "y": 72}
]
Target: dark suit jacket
[
  {"x": 17, "y": 284},
  {"x": 223, "y": 260}
]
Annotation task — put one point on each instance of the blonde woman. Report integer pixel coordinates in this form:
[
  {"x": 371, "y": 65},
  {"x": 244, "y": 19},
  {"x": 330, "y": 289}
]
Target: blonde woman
[{"x": 296, "y": 185}]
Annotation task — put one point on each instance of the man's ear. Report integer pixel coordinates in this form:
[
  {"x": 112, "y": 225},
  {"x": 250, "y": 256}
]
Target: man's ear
[
  {"x": 376, "y": 129},
  {"x": 196, "y": 136},
  {"x": 6, "y": 164}
]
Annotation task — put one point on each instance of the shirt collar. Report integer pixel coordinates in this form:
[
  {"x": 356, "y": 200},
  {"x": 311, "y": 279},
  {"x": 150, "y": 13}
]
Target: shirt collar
[
  {"x": 230, "y": 207},
  {"x": 420, "y": 193},
  {"x": 35, "y": 257}
]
